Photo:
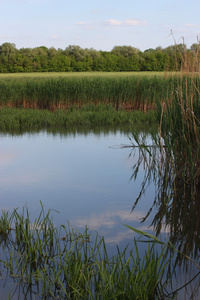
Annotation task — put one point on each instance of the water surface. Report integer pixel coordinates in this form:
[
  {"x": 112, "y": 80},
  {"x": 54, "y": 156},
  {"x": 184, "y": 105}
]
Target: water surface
[
  {"x": 80, "y": 175},
  {"x": 88, "y": 179}
]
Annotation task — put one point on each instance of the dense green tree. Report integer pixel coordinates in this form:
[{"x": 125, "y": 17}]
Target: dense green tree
[
  {"x": 74, "y": 58},
  {"x": 150, "y": 62},
  {"x": 125, "y": 51},
  {"x": 76, "y": 51}
]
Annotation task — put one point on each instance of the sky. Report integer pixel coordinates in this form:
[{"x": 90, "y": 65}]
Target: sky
[{"x": 99, "y": 24}]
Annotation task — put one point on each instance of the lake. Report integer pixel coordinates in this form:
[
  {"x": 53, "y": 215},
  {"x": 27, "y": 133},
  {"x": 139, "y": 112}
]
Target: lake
[{"x": 90, "y": 180}]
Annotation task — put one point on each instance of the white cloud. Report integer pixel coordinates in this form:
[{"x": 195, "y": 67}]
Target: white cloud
[
  {"x": 4, "y": 36},
  {"x": 135, "y": 22},
  {"x": 119, "y": 237},
  {"x": 54, "y": 37},
  {"x": 109, "y": 219},
  {"x": 106, "y": 221},
  {"x": 113, "y": 22},
  {"x": 130, "y": 22},
  {"x": 190, "y": 25}
]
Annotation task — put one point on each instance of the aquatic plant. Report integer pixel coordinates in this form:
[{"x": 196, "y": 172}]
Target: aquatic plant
[
  {"x": 63, "y": 263},
  {"x": 156, "y": 241},
  {"x": 90, "y": 115},
  {"x": 176, "y": 201}
]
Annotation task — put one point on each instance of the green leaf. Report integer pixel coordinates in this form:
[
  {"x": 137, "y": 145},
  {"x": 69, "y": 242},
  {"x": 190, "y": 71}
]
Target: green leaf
[{"x": 143, "y": 233}]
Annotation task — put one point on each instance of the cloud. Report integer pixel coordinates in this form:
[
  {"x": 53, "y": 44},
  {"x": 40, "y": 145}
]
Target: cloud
[
  {"x": 119, "y": 237},
  {"x": 189, "y": 25},
  {"x": 105, "y": 222},
  {"x": 135, "y": 23},
  {"x": 4, "y": 36},
  {"x": 108, "y": 219},
  {"x": 113, "y": 22},
  {"x": 130, "y": 22},
  {"x": 54, "y": 37}
]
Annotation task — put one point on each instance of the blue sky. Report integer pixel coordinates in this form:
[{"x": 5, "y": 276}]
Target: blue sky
[{"x": 100, "y": 24}]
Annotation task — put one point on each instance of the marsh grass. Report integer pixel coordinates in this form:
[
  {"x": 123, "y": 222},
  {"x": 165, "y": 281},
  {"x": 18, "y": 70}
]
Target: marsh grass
[
  {"x": 126, "y": 91},
  {"x": 179, "y": 119},
  {"x": 175, "y": 167},
  {"x": 63, "y": 263},
  {"x": 89, "y": 115}
]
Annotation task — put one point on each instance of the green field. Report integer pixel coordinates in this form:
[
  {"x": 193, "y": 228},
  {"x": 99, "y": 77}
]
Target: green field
[{"x": 80, "y": 74}]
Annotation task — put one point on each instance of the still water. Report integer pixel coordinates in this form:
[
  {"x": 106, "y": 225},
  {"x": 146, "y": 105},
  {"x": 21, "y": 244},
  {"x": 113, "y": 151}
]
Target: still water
[
  {"x": 89, "y": 179},
  {"x": 80, "y": 175}
]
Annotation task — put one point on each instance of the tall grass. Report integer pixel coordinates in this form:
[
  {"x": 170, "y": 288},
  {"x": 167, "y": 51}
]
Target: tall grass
[
  {"x": 179, "y": 119},
  {"x": 62, "y": 263},
  {"x": 176, "y": 205},
  {"x": 173, "y": 162},
  {"x": 129, "y": 92}
]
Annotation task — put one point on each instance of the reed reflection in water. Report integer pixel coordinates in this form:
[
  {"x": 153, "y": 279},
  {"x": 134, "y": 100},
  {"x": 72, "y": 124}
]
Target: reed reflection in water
[
  {"x": 176, "y": 203},
  {"x": 77, "y": 174}
]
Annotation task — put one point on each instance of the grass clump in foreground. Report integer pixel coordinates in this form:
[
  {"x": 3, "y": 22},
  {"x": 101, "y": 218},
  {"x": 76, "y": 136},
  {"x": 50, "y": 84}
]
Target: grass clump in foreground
[
  {"x": 89, "y": 115},
  {"x": 52, "y": 263}
]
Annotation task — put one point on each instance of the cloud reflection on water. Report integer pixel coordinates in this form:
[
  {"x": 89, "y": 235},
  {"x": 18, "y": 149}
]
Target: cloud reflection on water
[{"x": 104, "y": 223}]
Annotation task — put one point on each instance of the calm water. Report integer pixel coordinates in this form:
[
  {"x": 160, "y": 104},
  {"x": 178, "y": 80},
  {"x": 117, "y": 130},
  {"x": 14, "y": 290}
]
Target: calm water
[
  {"x": 87, "y": 178},
  {"x": 80, "y": 175}
]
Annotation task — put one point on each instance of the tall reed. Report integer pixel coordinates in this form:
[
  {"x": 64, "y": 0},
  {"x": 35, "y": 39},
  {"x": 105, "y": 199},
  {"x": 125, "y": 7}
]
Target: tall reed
[
  {"x": 179, "y": 119},
  {"x": 129, "y": 92},
  {"x": 175, "y": 209}
]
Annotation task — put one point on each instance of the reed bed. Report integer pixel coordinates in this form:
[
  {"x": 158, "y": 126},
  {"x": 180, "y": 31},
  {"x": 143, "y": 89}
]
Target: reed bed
[
  {"x": 49, "y": 92},
  {"x": 89, "y": 115},
  {"x": 180, "y": 128},
  {"x": 62, "y": 263}
]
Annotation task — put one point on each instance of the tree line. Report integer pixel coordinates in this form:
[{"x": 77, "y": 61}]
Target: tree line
[{"x": 76, "y": 59}]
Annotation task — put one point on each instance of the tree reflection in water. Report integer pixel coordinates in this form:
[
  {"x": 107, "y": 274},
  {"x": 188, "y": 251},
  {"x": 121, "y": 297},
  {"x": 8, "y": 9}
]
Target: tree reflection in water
[{"x": 176, "y": 200}]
